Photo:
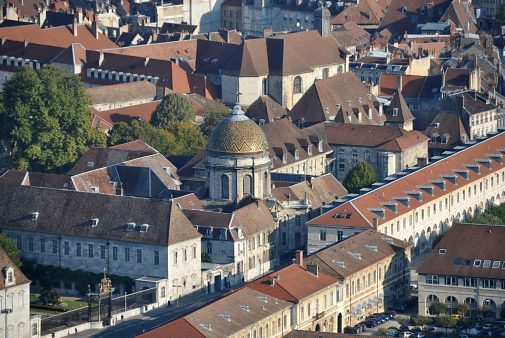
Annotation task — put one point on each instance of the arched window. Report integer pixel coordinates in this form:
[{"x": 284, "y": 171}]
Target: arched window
[
  {"x": 225, "y": 187},
  {"x": 297, "y": 85},
  {"x": 247, "y": 185}
]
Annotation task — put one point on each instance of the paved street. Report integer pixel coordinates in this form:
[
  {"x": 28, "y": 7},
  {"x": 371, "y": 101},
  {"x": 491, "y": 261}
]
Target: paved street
[{"x": 152, "y": 319}]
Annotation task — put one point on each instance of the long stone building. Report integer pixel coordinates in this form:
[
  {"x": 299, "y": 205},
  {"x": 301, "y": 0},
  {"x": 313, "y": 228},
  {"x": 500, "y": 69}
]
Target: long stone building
[{"x": 420, "y": 203}]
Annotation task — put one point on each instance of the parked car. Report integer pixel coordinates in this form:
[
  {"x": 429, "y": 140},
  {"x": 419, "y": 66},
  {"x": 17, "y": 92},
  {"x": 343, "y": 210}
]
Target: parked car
[
  {"x": 392, "y": 333},
  {"x": 487, "y": 327},
  {"x": 370, "y": 323},
  {"x": 399, "y": 308},
  {"x": 419, "y": 335},
  {"x": 351, "y": 330},
  {"x": 407, "y": 334},
  {"x": 392, "y": 312},
  {"x": 404, "y": 328}
]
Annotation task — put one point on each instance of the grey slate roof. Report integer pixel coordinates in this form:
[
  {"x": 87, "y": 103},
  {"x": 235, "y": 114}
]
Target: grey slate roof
[{"x": 70, "y": 213}]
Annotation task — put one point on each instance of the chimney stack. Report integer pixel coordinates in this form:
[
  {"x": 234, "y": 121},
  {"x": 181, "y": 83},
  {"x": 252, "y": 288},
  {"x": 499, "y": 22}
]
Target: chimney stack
[
  {"x": 375, "y": 223},
  {"x": 299, "y": 257},
  {"x": 399, "y": 83},
  {"x": 74, "y": 26},
  {"x": 95, "y": 26}
]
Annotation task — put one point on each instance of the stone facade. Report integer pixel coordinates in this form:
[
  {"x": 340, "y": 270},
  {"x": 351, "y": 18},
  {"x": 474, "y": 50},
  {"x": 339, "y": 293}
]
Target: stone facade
[{"x": 122, "y": 258}]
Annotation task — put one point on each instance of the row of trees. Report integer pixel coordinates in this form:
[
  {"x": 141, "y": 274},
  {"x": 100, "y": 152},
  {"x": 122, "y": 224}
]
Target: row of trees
[
  {"x": 493, "y": 215},
  {"x": 45, "y": 114}
]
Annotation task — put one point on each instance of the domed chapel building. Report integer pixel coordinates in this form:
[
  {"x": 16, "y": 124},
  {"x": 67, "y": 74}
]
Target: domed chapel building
[{"x": 237, "y": 159}]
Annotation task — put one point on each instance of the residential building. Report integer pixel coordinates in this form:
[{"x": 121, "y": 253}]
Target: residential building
[
  {"x": 246, "y": 238},
  {"x": 242, "y": 313},
  {"x": 297, "y": 151},
  {"x": 340, "y": 98},
  {"x": 15, "y": 305},
  {"x": 315, "y": 297},
  {"x": 352, "y": 37},
  {"x": 297, "y": 203},
  {"x": 398, "y": 113},
  {"x": 373, "y": 267},
  {"x": 122, "y": 95},
  {"x": 276, "y": 66},
  {"x": 265, "y": 110},
  {"x": 127, "y": 236},
  {"x": 420, "y": 203},
  {"x": 466, "y": 267},
  {"x": 387, "y": 149},
  {"x": 231, "y": 14},
  {"x": 368, "y": 69},
  {"x": 131, "y": 169},
  {"x": 446, "y": 132},
  {"x": 367, "y": 14}
]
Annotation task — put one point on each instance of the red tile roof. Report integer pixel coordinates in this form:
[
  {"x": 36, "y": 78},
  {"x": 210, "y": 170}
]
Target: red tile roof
[
  {"x": 61, "y": 36},
  {"x": 359, "y": 208},
  {"x": 288, "y": 285},
  {"x": 179, "y": 328}
]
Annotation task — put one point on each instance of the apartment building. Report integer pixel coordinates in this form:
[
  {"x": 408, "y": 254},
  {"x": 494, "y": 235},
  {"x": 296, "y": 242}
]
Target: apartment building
[
  {"x": 419, "y": 203},
  {"x": 373, "y": 267},
  {"x": 466, "y": 267}
]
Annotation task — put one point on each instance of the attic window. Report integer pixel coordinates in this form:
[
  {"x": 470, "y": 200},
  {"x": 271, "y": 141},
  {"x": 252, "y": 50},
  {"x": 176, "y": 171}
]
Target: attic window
[
  {"x": 356, "y": 255},
  {"x": 95, "y": 189},
  {"x": 208, "y": 232},
  {"x": 378, "y": 211},
  {"x": 320, "y": 146},
  {"x": 391, "y": 205},
  {"x": 452, "y": 178},
  {"x": 144, "y": 227},
  {"x": 427, "y": 188},
  {"x": 404, "y": 9},
  {"x": 405, "y": 200},
  {"x": 94, "y": 222},
  {"x": 90, "y": 165},
  {"x": 284, "y": 158},
  {"x": 309, "y": 150},
  {"x": 9, "y": 276},
  {"x": 226, "y": 317},
  {"x": 464, "y": 173},
  {"x": 372, "y": 247},
  {"x": 439, "y": 183},
  {"x": 342, "y": 216},
  {"x": 341, "y": 264},
  {"x": 416, "y": 194},
  {"x": 486, "y": 263},
  {"x": 130, "y": 226},
  {"x": 442, "y": 251},
  {"x": 297, "y": 154},
  {"x": 264, "y": 299},
  {"x": 496, "y": 264},
  {"x": 485, "y": 161},
  {"x": 207, "y": 327},
  {"x": 35, "y": 216},
  {"x": 474, "y": 167},
  {"x": 476, "y": 263},
  {"x": 395, "y": 111},
  {"x": 497, "y": 157}
]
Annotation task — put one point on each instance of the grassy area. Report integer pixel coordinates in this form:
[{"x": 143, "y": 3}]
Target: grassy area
[{"x": 67, "y": 305}]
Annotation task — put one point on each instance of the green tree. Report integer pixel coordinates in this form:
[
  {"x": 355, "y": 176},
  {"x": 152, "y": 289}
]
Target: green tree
[
  {"x": 11, "y": 250},
  {"x": 206, "y": 258},
  {"x": 463, "y": 308},
  {"x": 500, "y": 16},
  {"x": 50, "y": 297},
  {"x": 160, "y": 139},
  {"x": 173, "y": 107},
  {"x": 46, "y": 116},
  {"x": 437, "y": 308},
  {"x": 190, "y": 139},
  {"x": 359, "y": 177},
  {"x": 486, "y": 311},
  {"x": 213, "y": 114},
  {"x": 446, "y": 321}
]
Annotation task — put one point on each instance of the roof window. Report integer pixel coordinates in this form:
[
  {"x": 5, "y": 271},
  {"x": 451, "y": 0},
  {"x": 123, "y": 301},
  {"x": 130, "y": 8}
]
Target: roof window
[
  {"x": 130, "y": 226},
  {"x": 486, "y": 263},
  {"x": 35, "y": 215},
  {"x": 144, "y": 227},
  {"x": 476, "y": 263},
  {"x": 442, "y": 251},
  {"x": 496, "y": 264},
  {"x": 244, "y": 308},
  {"x": 463, "y": 172},
  {"x": 94, "y": 222},
  {"x": 226, "y": 317},
  {"x": 378, "y": 211}
]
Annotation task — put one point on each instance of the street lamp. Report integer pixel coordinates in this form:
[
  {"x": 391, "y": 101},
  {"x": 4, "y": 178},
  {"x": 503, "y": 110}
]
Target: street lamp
[
  {"x": 178, "y": 295},
  {"x": 6, "y": 312}
]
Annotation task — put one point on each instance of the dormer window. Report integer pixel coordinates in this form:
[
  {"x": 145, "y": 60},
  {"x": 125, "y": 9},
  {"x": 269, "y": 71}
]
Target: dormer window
[
  {"x": 320, "y": 146},
  {"x": 284, "y": 158},
  {"x": 395, "y": 111},
  {"x": 309, "y": 150},
  {"x": 144, "y": 227},
  {"x": 130, "y": 227},
  {"x": 35, "y": 216},
  {"x": 94, "y": 222},
  {"x": 9, "y": 277},
  {"x": 297, "y": 154}
]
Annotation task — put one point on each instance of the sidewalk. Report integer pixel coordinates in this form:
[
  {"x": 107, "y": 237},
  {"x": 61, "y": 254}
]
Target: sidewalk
[{"x": 152, "y": 319}]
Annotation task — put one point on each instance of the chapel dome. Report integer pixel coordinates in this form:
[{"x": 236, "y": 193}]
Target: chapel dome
[{"x": 237, "y": 134}]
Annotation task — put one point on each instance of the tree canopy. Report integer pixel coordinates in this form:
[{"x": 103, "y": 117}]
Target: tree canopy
[
  {"x": 46, "y": 116},
  {"x": 437, "y": 308},
  {"x": 500, "y": 16},
  {"x": 10, "y": 249},
  {"x": 213, "y": 114},
  {"x": 359, "y": 177},
  {"x": 173, "y": 107},
  {"x": 180, "y": 137}
]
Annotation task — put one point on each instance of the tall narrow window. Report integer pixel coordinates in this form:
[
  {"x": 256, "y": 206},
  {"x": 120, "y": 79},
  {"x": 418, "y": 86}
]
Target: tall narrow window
[
  {"x": 247, "y": 184},
  {"x": 297, "y": 85},
  {"x": 265, "y": 86},
  {"x": 326, "y": 73},
  {"x": 225, "y": 187}
]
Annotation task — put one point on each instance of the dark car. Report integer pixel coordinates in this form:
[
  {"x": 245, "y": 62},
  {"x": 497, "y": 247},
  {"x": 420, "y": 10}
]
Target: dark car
[
  {"x": 404, "y": 328},
  {"x": 351, "y": 330},
  {"x": 370, "y": 323},
  {"x": 388, "y": 315},
  {"x": 392, "y": 312},
  {"x": 399, "y": 308}
]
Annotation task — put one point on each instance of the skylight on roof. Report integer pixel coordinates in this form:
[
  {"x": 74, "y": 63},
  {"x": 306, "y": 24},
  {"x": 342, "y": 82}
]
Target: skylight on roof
[
  {"x": 476, "y": 263},
  {"x": 496, "y": 264},
  {"x": 486, "y": 263}
]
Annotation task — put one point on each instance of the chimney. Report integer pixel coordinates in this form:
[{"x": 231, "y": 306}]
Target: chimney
[
  {"x": 74, "y": 26},
  {"x": 399, "y": 83},
  {"x": 95, "y": 26},
  {"x": 375, "y": 223},
  {"x": 100, "y": 58},
  {"x": 79, "y": 15},
  {"x": 313, "y": 269},
  {"x": 299, "y": 257}
]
